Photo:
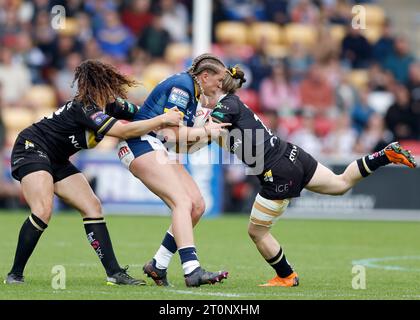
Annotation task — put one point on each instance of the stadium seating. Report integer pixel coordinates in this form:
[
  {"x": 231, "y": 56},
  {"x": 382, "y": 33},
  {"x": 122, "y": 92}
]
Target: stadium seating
[
  {"x": 358, "y": 78},
  {"x": 177, "y": 53},
  {"x": 300, "y": 33},
  {"x": 228, "y": 31},
  {"x": 375, "y": 15},
  {"x": 269, "y": 31}
]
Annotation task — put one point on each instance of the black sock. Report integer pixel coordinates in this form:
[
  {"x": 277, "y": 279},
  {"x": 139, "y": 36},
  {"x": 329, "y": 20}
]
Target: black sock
[
  {"x": 29, "y": 234},
  {"x": 280, "y": 264},
  {"x": 371, "y": 162},
  {"x": 98, "y": 237}
]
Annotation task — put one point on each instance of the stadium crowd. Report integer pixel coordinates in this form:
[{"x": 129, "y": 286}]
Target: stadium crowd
[{"x": 334, "y": 90}]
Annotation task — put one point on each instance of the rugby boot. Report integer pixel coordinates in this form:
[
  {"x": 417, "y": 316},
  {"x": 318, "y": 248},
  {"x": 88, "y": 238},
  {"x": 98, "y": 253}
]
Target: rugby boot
[
  {"x": 13, "y": 278},
  {"x": 291, "y": 280},
  {"x": 396, "y": 154},
  {"x": 123, "y": 278},
  {"x": 158, "y": 275},
  {"x": 200, "y": 276}
]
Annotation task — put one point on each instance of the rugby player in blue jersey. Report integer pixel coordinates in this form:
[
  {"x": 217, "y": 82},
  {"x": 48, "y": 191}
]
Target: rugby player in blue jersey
[{"x": 147, "y": 159}]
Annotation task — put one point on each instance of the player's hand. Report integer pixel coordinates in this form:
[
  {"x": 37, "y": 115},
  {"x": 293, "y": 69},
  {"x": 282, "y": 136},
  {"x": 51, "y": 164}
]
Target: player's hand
[
  {"x": 172, "y": 118},
  {"x": 214, "y": 129}
]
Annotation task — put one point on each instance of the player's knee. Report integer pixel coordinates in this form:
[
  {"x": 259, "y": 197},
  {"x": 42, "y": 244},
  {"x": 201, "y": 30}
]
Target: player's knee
[
  {"x": 341, "y": 186},
  {"x": 43, "y": 210},
  {"x": 94, "y": 209},
  {"x": 266, "y": 212},
  {"x": 199, "y": 206},
  {"x": 183, "y": 203}
]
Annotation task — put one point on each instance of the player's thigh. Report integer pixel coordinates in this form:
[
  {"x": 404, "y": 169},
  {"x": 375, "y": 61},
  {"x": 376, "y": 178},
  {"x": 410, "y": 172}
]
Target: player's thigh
[
  {"x": 160, "y": 177},
  {"x": 326, "y": 182},
  {"x": 38, "y": 190},
  {"x": 76, "y": 191}
]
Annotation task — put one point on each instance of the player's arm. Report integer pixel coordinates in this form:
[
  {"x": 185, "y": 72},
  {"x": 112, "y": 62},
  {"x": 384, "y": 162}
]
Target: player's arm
[
  {"x": 121, "y": 109},
  {"x": 187, "y": 135},
  {"x": 128, "y": 130}
]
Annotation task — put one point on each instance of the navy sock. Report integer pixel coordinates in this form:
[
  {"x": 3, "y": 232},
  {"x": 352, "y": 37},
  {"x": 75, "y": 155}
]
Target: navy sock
[{"x": 371, "y": 162}]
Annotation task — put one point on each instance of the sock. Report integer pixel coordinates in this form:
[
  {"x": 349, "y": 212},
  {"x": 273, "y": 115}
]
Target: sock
[
  {"x": 29, "y": 234},
  {"x": 98, "y": 237},
  {"x": 189, "y": 259},
  {"x": 165, "y": 252},
  {"x": 371, "y": 162},
  {"x": 281, "y": 265}
]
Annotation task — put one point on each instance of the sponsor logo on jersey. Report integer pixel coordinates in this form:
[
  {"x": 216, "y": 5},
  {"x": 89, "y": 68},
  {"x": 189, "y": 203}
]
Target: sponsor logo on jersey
[
  {"x": 293, "y": 154},
  {"x": 29, "y": 144},
  {"x": 99, "y": 117},
  {"x": 179, "y": 97},
  {"x": 281, "y": 188},
  {"x": 218, "y": 114},
  {"x": 220, "y": 105},
  {"x": 123, "y": 151},
  {"x": 268, "y": 176}
]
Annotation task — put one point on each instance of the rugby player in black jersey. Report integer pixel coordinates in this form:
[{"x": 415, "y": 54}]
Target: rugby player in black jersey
[
  {"x": 283, "y": 170},
  {"x": 40, "y": 161}
]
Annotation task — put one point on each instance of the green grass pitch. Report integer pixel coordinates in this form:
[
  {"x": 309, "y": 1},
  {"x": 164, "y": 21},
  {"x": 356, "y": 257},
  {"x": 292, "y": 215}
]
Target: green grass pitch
[{"x": 321, "y": 251}]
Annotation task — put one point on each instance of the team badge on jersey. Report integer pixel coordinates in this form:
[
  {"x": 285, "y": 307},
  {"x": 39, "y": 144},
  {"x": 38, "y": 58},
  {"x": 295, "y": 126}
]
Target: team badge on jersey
[
  {"x": 179, "y": 97},
  {"x": 29, "y": 144},
  {"x": 99, "y": 117},
  {"x": 268, "y": 176}
]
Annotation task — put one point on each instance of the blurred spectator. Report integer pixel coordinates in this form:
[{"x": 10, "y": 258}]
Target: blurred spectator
[
  {"x": 326, "y": 48},
  {"x": 244, "y": 10},
  {"x": 15, "y": 78},
  {"x": 375, "y": 137},
  {"x": 85, "y": 33},
  {"x": 277, "y": 93},
  {"x": 355, "y": 49},
  {"x": 341, "y": 139},
  {"x": 137, "y": 16},
  {"x": 305, "y": 136},
  {"x": 43, "y": 34},
  {"x": 316, "y": 93},
  {"x": 63, "y": 45},
  {"x": 276, "y": 11},
  {"x": 31, "y": 56},
  {"x": 400, "y": 60},
  {"x": 260, "y": 64},
  {"x": 10, "y": 27},
  {"x": 414, "y": 90},
  {"x": 175, "y": 19},
  {"x": 304, "y": 11},
  {"x": 155, "y": 38},
  {"x": 64, "y": 77},
  {"x": 114, "y": 38},
  {"x": 361, "y": 111},
  {"x": 384, "y": 47},
  {"x": 298, "y": 62},
  {"x": 339, "y": 12},
  {"x": 400, "y": 118},
  {"x": 7, "y": 189}
]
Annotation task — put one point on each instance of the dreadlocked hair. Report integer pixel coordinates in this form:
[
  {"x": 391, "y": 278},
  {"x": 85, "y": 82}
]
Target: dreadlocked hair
[
  {"x": 100, "y": 83},
  {"x": 234, "y": 79},
  {"x": 205, "y": 62}
]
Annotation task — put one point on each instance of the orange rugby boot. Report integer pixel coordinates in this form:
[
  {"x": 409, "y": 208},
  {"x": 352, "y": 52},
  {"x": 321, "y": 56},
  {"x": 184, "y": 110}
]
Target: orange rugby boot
[
  {"x": 396, "y": 154},
  {"x": 291, "y": 280}
]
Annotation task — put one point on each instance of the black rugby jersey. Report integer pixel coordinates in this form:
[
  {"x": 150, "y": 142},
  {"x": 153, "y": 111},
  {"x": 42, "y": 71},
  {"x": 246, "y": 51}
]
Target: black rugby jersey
[
  {"x": 249, "y": 139},
  {"x": 74, "y": 127}
]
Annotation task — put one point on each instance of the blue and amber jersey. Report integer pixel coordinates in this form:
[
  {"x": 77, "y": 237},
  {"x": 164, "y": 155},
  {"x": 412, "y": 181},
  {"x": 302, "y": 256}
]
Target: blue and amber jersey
[{"x": 178, "y": 91}]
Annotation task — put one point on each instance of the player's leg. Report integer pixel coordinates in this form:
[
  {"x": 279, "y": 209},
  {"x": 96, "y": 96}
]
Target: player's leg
[
  {"x": 162, "y": 179},
  {"x": 168, "y": 247},
  {"x": 326, "y": 182},
  {"x": 38, "y": 190},
  {"x": 264, "y": 214},
  {"x": 76, "y": 191}
]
